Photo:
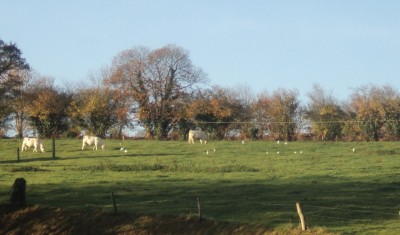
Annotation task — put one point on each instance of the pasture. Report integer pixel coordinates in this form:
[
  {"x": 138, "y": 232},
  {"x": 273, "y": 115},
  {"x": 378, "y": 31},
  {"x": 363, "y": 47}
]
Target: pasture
[{"x": 344, "y": 191}]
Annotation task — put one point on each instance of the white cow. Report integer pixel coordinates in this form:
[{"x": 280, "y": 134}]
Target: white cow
[
  {"x": 92, "y": 140},
  {"x": 194, "y": 135},
  {"x": 32, "y": 142}
]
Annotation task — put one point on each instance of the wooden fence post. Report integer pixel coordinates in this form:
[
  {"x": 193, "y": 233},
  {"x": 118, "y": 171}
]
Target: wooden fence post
[
  {"x": 53, "y": 145},
  {"x": 301, "y": 215},
  {"x": 18, "y": 194},
  {"x": 17, "y": 154},
  {"x": 113, "y": 202},
  {"x": 199, "y": 207}
]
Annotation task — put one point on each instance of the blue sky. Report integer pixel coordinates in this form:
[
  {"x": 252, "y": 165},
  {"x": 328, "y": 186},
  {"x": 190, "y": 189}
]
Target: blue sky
[{"x": 266, "y": 45}]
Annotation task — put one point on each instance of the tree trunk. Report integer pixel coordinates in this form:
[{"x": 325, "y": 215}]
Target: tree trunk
[{"x": 19, "y": 124}]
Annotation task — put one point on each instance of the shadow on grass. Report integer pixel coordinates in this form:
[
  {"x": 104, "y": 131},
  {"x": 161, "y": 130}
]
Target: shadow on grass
[
  {"x": 24, "y": 160},
  {"x": 97, "y": 156},
  {"x": 333, "y": 203}
]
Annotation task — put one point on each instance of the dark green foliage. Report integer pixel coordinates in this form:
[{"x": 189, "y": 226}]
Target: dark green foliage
[
  {"x": 10, "y": 58},
  {"x": 11, "y": 63}
]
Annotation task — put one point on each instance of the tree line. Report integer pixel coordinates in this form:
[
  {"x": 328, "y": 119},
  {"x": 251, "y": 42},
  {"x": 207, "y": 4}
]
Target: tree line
[{"x": 164, "y": 93}]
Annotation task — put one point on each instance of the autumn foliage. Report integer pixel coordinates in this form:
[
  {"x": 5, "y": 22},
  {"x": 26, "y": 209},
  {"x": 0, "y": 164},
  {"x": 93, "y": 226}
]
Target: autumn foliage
[{"x": 163, "y": 92}]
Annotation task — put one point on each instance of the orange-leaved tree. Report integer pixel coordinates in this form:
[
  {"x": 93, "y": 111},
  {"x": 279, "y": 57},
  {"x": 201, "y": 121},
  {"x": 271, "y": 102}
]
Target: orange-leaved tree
[
  {"x": 95, "y": 110},
  {"x": 47, "y": 108},
  {"x": 213, "y": 111},
  {"x": 284, "y": 113},
  {"x": 376, "y": 110}
]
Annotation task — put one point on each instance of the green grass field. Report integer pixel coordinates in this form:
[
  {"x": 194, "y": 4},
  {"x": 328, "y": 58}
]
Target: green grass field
[{"x": 344, "y": 191}]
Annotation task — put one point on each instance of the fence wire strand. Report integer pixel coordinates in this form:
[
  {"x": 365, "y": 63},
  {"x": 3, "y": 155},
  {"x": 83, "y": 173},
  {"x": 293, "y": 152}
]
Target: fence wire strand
[
  {"x": 351, "y": 210},
  {"x": 316, "y": 122}
]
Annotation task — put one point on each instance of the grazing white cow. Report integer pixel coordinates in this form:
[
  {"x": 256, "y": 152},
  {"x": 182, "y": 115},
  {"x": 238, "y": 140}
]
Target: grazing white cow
[
  {"x": 32, "y": 142},
  {"x": 92, "y": 140},
  {"x": 194, "y": 135}
]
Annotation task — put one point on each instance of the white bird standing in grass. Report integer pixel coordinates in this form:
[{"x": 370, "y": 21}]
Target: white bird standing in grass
[{"x": 354, "y": 150}]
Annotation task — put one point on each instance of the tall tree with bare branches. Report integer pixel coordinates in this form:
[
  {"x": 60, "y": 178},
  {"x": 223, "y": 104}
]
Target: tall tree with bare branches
[
  {"x": 157, "y": 80},
  {"x": 325, "y": 114}
]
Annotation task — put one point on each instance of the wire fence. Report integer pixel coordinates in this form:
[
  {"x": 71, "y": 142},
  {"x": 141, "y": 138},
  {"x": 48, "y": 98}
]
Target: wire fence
[
  {"x": 284, "y": 213},
  {"x": 295, "y": 122}
]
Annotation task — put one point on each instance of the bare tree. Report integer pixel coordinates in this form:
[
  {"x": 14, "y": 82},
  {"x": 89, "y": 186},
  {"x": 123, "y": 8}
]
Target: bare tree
[
  {"x": 242, "y": 97},
  {"x": 326, "y": 115},
  {"x": 97, "y": 108},
  {"x": 157, "y": 80},
  {"x": 260, "y": 113},
  {"x": 20, "y": 100}
]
